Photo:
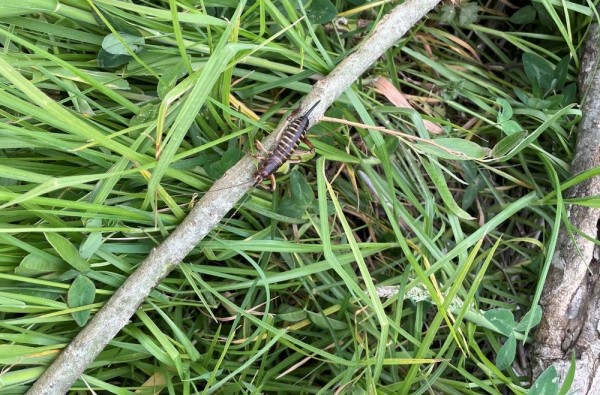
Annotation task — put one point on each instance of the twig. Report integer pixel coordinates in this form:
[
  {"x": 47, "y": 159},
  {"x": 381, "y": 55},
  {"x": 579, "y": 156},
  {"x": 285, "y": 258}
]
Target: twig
[
  {"x": 207, "y": 214},
  {"x": 401, "y": 135}
]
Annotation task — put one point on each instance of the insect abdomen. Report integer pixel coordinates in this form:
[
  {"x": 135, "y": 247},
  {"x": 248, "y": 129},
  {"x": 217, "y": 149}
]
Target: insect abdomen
[{"x": 285, "y": 146}]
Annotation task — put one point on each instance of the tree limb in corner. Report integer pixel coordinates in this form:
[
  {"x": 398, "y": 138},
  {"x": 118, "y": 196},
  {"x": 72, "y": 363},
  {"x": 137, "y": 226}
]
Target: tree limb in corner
[{"x": 571, "y": 297}]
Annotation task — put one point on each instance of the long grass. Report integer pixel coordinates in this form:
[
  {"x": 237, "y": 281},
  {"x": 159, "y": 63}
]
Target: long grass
[{"x": 382, "y": 265}]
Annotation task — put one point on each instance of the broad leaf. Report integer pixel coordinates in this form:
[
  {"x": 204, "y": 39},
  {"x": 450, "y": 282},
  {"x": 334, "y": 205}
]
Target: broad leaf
[
  {"x": 115, "y": 52},
  {"x": 67, "y": 251},
  {"x": 510, "y": 127},
  {"x": 122, "y": 45},
  {"x": 291, "y": 207},
  {"x": 502, "y": 319},
  {"x": 34, "y": 265},
  {"x": 530, "y": 319},
  {"x": 324, "y": 322},
  {"x": 229, "y": 158},
  {"x": 506, "y": 354},
  {"x": 447, "y": 13},
  {"x": 453, "y": 148},
  {"x": 507, "y": 144},
  {"x": 437, "y": 177},
  {"x": 169, "y": 79},
  {"x": 523, "y": 16},
  {"x": 81, "y": 293},
  {"x": 93, "y": 241},
  {"x": 110, "y": 60},
  {"x": 321, "y": 11},
  {"x": 561, "y": 71},
  {"x": 300, "y": 189},
  {"x": 290, "y": 313},
  {"x": 506, "y": 111},
  {"x": 546, "y": 384},
  {"x": 468, "y": 14},
  {"x": 538, "y": 70}
]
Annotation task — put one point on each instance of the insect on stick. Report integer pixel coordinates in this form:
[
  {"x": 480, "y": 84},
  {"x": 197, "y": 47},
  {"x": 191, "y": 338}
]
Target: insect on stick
[{"x": 284, "y": 148}]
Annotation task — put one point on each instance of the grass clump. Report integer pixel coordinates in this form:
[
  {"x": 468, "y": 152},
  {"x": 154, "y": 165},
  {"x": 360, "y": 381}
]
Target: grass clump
[{"x": 407, "y": 258}]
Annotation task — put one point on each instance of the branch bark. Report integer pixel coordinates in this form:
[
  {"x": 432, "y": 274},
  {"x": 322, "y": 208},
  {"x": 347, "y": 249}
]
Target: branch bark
[
  {"x": 117, "y": 311},
  {"x": 571, "y": 298}
]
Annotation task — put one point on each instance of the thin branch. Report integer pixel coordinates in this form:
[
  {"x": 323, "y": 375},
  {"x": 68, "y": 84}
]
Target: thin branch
[
  {"x": 207, "y": 214},
  {"x": 398, "y": 134}
]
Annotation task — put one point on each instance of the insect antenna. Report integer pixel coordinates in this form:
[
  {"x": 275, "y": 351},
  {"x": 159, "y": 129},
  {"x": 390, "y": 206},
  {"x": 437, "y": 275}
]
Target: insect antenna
[
  {"x": 228, "y": 187},
  {"x": 221, "y": 227},
  {"x": 307, "y": 113}
]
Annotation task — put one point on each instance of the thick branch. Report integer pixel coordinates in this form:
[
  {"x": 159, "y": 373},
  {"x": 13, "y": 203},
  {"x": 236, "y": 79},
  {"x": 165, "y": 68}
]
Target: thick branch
[
  {"x": 117, "y": 311},
  {"x": 571, "y": 297}
]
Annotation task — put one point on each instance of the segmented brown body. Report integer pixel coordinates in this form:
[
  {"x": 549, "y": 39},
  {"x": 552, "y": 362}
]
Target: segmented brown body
[{"x": 284, "y": 148}]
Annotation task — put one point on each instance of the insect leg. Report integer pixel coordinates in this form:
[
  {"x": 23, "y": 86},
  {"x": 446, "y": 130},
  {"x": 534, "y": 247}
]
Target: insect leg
[
  {"x": 306, "y": 141},
  {"x": 270, "y": 188},
  {"x": 260, "y": 147},
  {"x": 262, "y": 153},
  {"x": 283, "y": 129},
  {"x": 273, "y": 185}
]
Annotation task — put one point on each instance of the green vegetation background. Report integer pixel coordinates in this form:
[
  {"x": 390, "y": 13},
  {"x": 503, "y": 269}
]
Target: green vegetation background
[{"x": 384, "y": 264}]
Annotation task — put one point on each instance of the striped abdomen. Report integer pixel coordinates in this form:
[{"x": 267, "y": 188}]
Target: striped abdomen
[{"x": 285, "y": 146}]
